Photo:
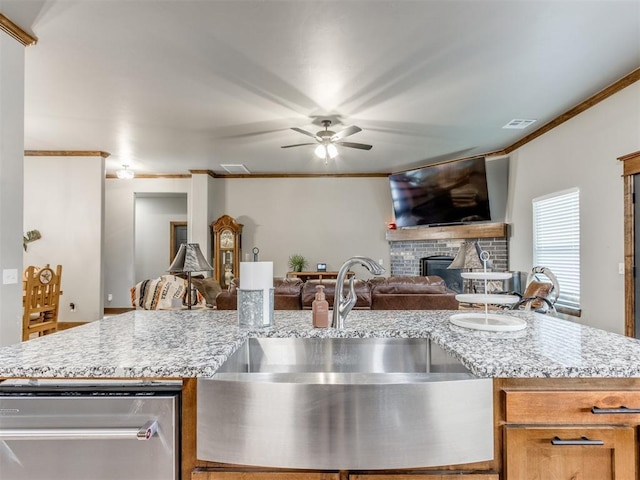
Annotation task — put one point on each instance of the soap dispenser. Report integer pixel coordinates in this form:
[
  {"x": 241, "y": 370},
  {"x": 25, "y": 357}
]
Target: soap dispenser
[{"x": 320, "y": 309}]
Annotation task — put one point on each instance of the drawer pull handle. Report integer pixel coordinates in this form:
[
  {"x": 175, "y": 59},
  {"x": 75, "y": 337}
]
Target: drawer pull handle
[
  {"x": 578, "y": 441},
  {"x": 620, "y": 409},
  {"x": 145, "y": 432}
]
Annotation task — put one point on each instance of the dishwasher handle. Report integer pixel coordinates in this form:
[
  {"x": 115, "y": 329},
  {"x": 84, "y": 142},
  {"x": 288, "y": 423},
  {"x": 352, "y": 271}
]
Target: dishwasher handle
[{"x": 145, "y": 432}]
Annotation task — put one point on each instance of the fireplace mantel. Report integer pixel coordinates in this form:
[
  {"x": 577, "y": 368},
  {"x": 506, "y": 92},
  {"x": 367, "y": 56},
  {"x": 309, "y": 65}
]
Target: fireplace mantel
[{"x": 476, "y": 230}]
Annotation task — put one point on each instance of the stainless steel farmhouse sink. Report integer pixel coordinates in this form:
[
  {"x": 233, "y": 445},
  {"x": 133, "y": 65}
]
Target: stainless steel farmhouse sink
[{"x": 344, "y": 403}]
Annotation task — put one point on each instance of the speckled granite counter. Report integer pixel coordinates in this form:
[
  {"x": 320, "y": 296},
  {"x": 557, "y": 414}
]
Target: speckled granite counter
[{"x": 195, "y": 343}]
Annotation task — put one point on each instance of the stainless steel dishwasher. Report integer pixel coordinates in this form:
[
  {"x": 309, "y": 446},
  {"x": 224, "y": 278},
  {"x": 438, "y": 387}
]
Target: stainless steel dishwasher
[{"x": 98, "y": 430}]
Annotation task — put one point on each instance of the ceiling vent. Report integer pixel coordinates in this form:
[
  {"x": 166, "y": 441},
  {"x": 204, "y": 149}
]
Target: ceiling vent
[
  {"x": 235, "y": 168},
  {"x": 518, "y": 123}
]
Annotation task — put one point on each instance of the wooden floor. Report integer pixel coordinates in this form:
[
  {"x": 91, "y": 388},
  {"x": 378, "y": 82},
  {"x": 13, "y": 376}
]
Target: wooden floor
[
  {"x": 107, "y": 312},
  {"x": 66, "y": 325}
]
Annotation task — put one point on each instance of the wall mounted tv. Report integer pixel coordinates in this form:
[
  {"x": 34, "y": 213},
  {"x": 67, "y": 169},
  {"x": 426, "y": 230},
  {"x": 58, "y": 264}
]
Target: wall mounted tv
[{"x": 441, "y": 194}]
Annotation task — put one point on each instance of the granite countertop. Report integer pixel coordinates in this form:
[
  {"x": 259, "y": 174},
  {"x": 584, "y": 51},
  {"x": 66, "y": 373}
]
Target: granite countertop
[{"x": 178, "y": 344}]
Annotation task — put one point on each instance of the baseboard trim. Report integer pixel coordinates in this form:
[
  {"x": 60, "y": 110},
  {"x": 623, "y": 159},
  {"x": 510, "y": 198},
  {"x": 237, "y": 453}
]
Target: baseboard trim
[
  {"x": 117, "y": 310},
  {"x": 66, "y": 325}
]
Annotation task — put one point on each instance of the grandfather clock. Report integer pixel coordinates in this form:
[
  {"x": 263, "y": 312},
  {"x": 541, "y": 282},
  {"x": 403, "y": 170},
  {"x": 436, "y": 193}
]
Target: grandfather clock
[{"x": 227, "y": 246}]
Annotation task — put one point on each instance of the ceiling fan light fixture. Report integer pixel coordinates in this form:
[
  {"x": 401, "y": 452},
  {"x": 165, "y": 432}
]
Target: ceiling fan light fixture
[
  {"x": 332, "y": 151},
  {"x": 328, "y": 139},
  {"x": 125, "y": 173}
]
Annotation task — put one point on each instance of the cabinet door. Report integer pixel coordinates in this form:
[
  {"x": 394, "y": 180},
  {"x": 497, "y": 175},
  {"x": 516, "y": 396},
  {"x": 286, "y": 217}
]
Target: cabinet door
[{"x": 564, "y": 453}]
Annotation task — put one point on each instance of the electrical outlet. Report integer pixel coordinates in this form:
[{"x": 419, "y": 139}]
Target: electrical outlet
[
  {"x": 621, "y": 268},
  {"x": 72, "y": 306},
  {"x": 109, "y": 297},
  {"x": 9, "y": 276},
  {"x": 381, "y": 262}
]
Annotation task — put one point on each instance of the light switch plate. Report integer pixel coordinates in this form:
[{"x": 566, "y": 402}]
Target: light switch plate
[{"x": 9, "y": 276}]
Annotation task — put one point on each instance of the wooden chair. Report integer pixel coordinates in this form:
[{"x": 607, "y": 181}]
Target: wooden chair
[{"x": 41, "y": 299}]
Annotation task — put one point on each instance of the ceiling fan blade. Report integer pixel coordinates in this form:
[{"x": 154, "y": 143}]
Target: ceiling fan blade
[
  {"x": 345, "y": 132},
  {"x": 296, "y": 145},
  {"x": 361, "y": 146},
  {"x": 308, "y": 134}
]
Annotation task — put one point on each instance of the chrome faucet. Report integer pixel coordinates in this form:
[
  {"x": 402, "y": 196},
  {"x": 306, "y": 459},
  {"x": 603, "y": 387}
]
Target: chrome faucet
[{"x": 342, "y": 304}]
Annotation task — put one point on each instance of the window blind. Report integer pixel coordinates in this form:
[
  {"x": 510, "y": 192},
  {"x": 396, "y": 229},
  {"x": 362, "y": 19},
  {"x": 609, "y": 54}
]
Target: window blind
[{"x": 556, "y": 241}]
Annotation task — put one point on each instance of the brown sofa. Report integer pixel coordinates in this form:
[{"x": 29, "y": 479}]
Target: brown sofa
[
  {"x": 411, "y": 293},
  {"x": 287, "y": 295},
  {"x": 379, "y": 293},
  {"x": 363, "y": 293}
]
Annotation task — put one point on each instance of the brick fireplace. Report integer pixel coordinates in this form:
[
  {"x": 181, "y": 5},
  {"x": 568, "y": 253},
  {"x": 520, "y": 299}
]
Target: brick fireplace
[
  {"x": 406, "y": 255},
  {"x": 409, "y": 246}
]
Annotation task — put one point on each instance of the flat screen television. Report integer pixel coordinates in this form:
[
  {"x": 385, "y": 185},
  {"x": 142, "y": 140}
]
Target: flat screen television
[{"x": 442, "y": 194}]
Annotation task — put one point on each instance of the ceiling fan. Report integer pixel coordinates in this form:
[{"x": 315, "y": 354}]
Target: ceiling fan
[{"x": 327, "y": 140}]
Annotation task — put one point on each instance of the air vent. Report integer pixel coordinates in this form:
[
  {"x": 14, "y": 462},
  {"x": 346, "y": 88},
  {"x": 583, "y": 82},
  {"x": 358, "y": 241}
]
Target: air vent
[
  {"x": 235, "y": 168},
  {"x": 518, "y": 123}
]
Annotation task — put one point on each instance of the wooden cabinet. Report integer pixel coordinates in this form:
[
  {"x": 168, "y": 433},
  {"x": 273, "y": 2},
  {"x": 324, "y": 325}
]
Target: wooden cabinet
[
  {"x": 594, "y": 453},
  {"x": 570, "y": 434},
  {"x": 426, "y": 476},
  {"x": 253, "y": 475},
  {"x": 227, "y": 249}
]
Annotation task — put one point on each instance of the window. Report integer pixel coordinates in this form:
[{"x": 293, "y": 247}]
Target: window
[{"x": 556, "y": 242}]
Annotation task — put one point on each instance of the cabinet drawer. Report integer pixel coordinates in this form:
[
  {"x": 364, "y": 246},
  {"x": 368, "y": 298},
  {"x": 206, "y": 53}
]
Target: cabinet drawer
[
  {"x": 588, "y": 453},
  {"x": 437, "y": 476},
  {"x": 581, "y": 407},
  {"x": 252, "y": 475}
]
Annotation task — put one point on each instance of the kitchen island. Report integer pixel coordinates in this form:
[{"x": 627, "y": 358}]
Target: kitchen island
[{"x": 542, "y": 375}]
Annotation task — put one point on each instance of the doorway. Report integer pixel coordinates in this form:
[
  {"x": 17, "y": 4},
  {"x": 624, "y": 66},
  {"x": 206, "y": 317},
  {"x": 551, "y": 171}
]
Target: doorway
[
  {"x": 155, "y": 216},
  {"x": 631, "y": 178}
]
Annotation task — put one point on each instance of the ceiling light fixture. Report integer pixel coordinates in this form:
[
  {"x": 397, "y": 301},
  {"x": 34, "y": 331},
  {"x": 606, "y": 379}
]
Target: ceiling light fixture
[
  {"x": 125, "y": 173},
  {"x": 324, "y": 151}
]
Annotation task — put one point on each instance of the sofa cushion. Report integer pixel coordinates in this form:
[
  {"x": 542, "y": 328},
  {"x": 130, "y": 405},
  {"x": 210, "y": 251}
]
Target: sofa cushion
[
  {"x": 408, "y": 285},
  {"x": 208, "y": 287},
  {"x": 287, "y": 286},
  {"x": 158, "y": 293},
  {"x": 363, "y": 292},
  {"x": 411, "y": 301}
]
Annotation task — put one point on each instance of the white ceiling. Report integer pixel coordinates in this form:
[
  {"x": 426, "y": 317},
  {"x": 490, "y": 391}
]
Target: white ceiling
[{"x": 169, "y": 86}]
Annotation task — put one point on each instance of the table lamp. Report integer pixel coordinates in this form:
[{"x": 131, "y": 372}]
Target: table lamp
[{"x": 189, "y": 259}]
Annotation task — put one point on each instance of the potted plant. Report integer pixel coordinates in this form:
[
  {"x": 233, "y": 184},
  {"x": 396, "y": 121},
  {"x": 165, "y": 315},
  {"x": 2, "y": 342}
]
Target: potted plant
[{"x": 297, "y": 262}]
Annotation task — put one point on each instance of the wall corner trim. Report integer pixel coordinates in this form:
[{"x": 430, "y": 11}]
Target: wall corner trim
[{"x": 16, "y": 32}]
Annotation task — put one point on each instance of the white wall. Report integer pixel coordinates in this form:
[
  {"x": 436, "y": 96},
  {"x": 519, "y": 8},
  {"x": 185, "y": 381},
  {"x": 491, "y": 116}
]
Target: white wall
[
  {"x": 582, "y": 153},
  {"x": 200, "y": 213},
  {"x": 64, "y": 201},
  {"x": 327, "y": 220},
  {"x": 11, "y": 152},
  {"x": 153, "y": 217},
  {"x": 119, "y": 242}
]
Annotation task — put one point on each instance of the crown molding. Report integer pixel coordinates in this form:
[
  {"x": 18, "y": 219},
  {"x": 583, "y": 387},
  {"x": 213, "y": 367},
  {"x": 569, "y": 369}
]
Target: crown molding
[
  {"x": 303, "y": 175},
  {"x": 152, "y": 175},
  {"x": 66, "y": 153},
  {"x": 16, "y": 32}
]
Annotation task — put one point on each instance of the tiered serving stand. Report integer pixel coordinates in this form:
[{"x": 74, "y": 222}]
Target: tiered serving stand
[{"x": 484, "y": 320}]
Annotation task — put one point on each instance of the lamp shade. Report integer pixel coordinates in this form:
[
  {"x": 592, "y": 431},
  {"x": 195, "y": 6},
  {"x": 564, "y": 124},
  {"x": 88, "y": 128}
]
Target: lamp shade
[
  {"x": 468, "y": 256},
  {"x": 189, "y": 259}
]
